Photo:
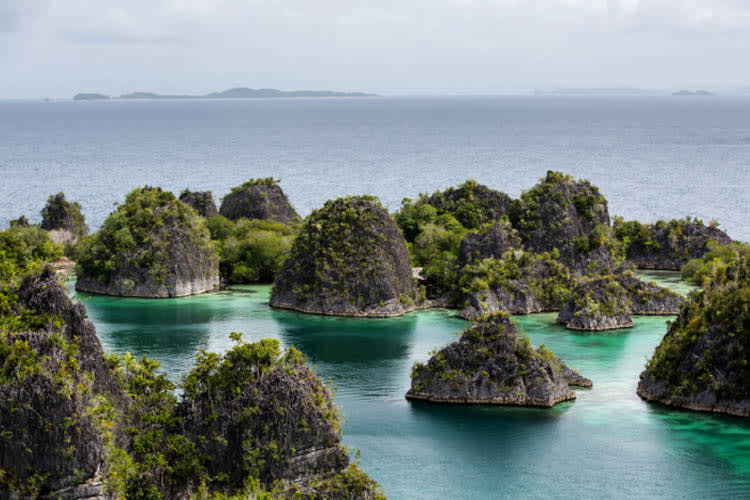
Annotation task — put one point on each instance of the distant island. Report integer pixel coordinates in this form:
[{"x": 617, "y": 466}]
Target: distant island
[
  {"x": 691, "y": 93},
  {"x": 591, "y": 91},
  {"x": 235, "y": 93},
  {"x": 90, "y": 97}
]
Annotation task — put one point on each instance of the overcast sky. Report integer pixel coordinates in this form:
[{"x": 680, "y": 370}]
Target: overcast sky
[{"x": 59, "y": 47}]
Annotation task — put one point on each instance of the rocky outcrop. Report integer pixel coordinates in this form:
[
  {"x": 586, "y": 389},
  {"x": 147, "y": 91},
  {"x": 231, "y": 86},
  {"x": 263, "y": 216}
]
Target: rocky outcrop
[
  {"x": 201, "y": 201},
  {"x": 63, "y": 220},
  {"x": 608, "y": 302},
  {"x": 152, "y": 246},
  {"x": 52, "y": 362},
  {"x": 492, "y": 364},
  {"x": 518, "y": 283},
  {"x": 667, "y": 245},
  {"x": 494, "y": 241},
  {"x": 76, "y": 425},
  {"x": 567, "y": 216},
  {"x": 258, "y": 199},
  {"x": 471, "y": 203},
  {"x": 702, "y": 362},
  {"x": 349, "y": 259}
]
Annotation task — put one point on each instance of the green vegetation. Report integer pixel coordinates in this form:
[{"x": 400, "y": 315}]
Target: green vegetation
[
  {"x": 250, "y": 251},
  {"x": 543, "y": 275},
  {"x": 713, "y": 265},
  {"x": 59, "y": 213},
  {"x": 266, "y": 181},
  {"x": 140, "y": 234}
]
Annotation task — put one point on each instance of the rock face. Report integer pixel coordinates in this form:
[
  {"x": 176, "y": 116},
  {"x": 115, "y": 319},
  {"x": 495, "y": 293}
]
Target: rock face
[
  {"x": 201, "y": 201},
  {"x": 607, "y": 302},
  {"x": 492, "y": 364},
  {"x": 518, "y": 283},
  {"x": 472, "y": 204},
  {"x": 63, "y": 220},
  {"x": 702, "y": 361},
  {"x": 568, "y": 215},
  {"x": 258, "y": 199},
  {"x": 151, "y": 246},
  {"x": 77, "y": 425},
  {"x": 493, "y": 242},
  {"x": 349, "y": 259},
  {"x": 57, "y": 453},
  {"x": 667, "y": 244}
]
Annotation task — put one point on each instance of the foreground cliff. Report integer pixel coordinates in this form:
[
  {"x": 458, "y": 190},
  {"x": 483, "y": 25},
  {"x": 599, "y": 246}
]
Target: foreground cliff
[
  {"x": 349, "y": 259},
  {"x": 492, "y": 364},
  {"x": 702, "y": 362},
  {"x": 253, "y": 423},
  {"x": 258, "y": 199},
  {"x": 667, "y": 245},
  {"x": 153, "y": 245},
  {"x": 609, "y": 301}
]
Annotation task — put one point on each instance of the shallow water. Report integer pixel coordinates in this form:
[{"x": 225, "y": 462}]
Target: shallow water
[{"x": 605, "y": 444}]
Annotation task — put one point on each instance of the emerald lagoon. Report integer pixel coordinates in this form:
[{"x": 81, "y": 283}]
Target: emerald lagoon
[{"x": 606, "y": 444}]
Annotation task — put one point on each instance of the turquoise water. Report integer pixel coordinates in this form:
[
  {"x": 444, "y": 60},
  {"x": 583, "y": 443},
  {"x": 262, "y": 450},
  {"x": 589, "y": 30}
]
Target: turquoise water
[{"x": 606, "y": 444}]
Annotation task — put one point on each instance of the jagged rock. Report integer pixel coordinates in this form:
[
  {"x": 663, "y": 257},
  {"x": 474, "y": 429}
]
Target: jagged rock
[
  {"x": 349, "y": 259},
  {"x": 667, "y": 244},
  {"x": 568, "y": 215},
  {"x": 78, "y": 426},
  {"x": 63, "y": 220},
  {"x": 201, "y": 201},
  {"x": 152, "y": 246},
  {"x": 52, "y": 367},
  {"x": 492, "y": 364},
  {"x": 702, "y": 362},
  {"x": 471, "y": 203},
  {"x": 258, "y": 199},
  {"x": 519, "y": 283},
  {"x": 492, "y": 242}
]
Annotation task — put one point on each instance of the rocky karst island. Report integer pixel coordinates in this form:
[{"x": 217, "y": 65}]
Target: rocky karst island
[
  {"x": 492, "y": 364},
  {"x": 258, "y": 199},
  {"x": 349, "y": 259},
  {"x": 702, "y": 362},
  {"x": 153, "y": 245}
]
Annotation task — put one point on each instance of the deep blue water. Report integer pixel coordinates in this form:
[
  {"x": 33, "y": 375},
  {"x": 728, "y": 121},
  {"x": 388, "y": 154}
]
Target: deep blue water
[{"x": 653, "y": 157}]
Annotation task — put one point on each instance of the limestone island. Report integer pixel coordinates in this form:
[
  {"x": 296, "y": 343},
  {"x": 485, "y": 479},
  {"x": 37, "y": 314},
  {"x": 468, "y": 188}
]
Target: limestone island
[
  {"x": 255, "y": 422},
  {"x": 702, "y": 362},
  {"x": 608, "y": 302},
  {"x": 90, "y": 97},
  {"x": 153, "y": 246},
  {"x": 349, "y": 259},
  {"x": 258, "y": 199},
  {"x": 492, "y": 364}
]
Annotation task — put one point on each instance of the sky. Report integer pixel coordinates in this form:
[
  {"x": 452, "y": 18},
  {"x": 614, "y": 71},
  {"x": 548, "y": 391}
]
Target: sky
[{"x": 57, "y": 48}]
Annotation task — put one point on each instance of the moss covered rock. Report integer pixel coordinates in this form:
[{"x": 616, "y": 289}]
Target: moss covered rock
[
  {"x": 349, "y": 259},
  {"x": 608, "y": 302},
  {"x": 667, "y": 244},
  {"x": 258, "y": 199},
  {"x": 492, "y": 364},
  {"x": 64, "y": 220},
  {"x": 153, "y": 245},
  {"x": 569, "y": 216},
  {"x": 201, "y": 201},
  {"x": 702, "y": 363}
]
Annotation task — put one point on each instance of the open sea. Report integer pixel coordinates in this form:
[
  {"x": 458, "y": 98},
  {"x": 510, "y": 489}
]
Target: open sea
[{"x": 652, "y": 157}]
